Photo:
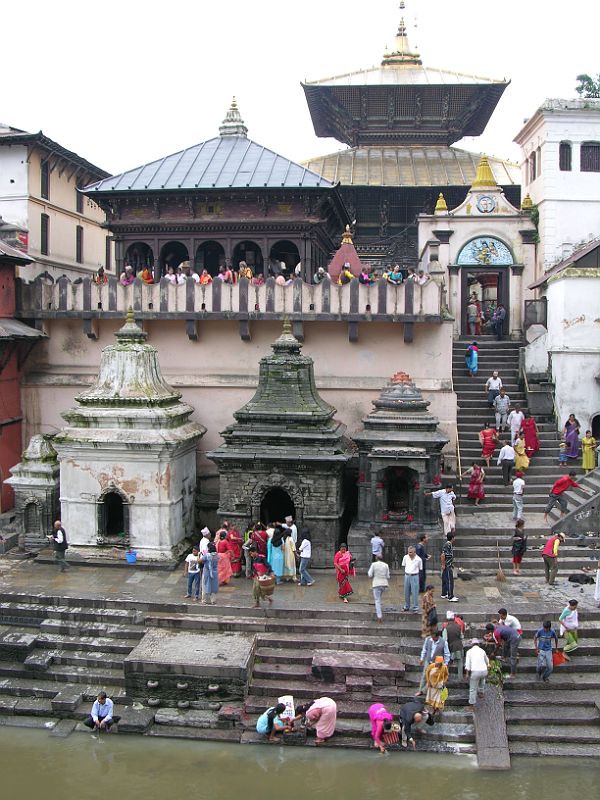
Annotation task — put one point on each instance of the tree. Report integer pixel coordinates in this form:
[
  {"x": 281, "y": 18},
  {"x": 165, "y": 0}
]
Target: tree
[{"x": 588, "y": 87}]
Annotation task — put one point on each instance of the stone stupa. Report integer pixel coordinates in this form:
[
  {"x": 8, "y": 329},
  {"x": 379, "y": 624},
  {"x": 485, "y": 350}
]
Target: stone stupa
[
  {"x": 285, "y": 454},
  {"x": 128, "y": 455}
]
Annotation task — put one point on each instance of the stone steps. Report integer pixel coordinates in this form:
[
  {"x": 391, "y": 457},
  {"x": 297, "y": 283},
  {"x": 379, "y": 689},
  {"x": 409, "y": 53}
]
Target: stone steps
[
  {"x": 545, "y": 732},
  {"x": 65, "y": 673},
  {"x": 72, "y": 628},
  {"x": 552, "y": 749},
  {"x": 569, "y": 715},
  {"x": 42, "y": 687}
]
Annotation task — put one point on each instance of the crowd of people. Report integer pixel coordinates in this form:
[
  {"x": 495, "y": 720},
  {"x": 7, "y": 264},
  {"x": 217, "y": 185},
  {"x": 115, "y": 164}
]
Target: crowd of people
[{"x": 283, "y": 274}]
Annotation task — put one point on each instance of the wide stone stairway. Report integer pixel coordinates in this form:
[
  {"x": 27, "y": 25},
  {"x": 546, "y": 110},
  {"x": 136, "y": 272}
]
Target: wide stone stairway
[
  {"x": 56, "y": 653},
  {"x": 476, "y": 537}
]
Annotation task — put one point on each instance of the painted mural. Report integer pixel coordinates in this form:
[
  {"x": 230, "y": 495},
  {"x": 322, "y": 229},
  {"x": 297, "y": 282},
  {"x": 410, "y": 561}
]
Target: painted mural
[{"x": 487, "y": 251}]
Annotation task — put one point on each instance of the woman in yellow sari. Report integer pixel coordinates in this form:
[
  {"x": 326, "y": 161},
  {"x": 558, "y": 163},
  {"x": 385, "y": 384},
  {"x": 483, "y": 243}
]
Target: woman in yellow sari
[
  {"x": 289, "y": 557},
  {"x": 436, "y": 677},
  {"x": 521, "y": 457},
  {"x": 588, "y": 450}
]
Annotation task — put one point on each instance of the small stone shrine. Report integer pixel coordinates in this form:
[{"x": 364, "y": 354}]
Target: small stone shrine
[
  {"x": 128, "y": 455},
  {"x": 35, "y": 482},
  {"x": 285, "y": 454},
  {"x": 399, "y": 456}
]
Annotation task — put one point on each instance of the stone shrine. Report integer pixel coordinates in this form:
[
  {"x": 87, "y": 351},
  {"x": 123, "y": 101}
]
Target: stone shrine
[
  {"x": 399, "y": 456},
  {"x": 128, "y": 455},
  {"x": 286, "y": 454},
  {"x": 35, "y": 482}
]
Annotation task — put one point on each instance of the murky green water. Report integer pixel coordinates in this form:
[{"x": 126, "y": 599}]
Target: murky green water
[{"x": 32, "y": 765}]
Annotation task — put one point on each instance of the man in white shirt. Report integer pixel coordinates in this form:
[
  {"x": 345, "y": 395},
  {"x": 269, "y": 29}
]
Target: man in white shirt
[
  {"x": 508, "y": 621},
  {"x": 476, "y": 668},
  {"x": 412, "y": 566},
  {"x": 59, "y": 540},
  {"x": 101, "y": 717},
  {"x": 515, "y": 420},
  {"x": 501, "y": 406},
  {"x": 204, "y": 541},
  {"x": 191, "y": 569},
  {"x": 446, "y": 497},
  {"x": 291, "y": 525},
  {"x": 379, "y": 572},
  {"x": 506, "y": 460},
  {"x": 305, "y": 552},
  {"x": 518, "y": 490},
  {"x": 377, "y": 546},
  {"x": 492, "y": 387}
]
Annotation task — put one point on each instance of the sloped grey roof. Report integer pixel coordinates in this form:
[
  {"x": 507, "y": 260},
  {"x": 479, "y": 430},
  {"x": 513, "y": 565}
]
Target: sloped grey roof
[
  {"x": 398, "y": 75},
  {"x": 15, "y": 329},
  {"x": 220, "y": 163},
  {"x": 9, "y": 253}
]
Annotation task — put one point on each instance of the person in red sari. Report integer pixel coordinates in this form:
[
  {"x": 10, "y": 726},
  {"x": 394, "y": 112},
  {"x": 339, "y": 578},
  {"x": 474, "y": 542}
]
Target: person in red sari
[
  {"x": 476, "y": 489},
  {"x": 488, "y": 438},
  {"x": 235, "y": 542},
  {"x": 344, "y": 569},
  {"x": 225, "y": 571},
  {"x": 530, "y": 432},
  {"x": 260, "y": 538}
]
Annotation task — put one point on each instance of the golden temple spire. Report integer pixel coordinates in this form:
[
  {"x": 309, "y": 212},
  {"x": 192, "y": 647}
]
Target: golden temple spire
[
  {"x": 526, "y": 203},
  {"x": 441, "y": 207},
  {"x": 484, "y": 175},
  {"x": 402, "y": 55},
  {"x": 347, "y": 236}
]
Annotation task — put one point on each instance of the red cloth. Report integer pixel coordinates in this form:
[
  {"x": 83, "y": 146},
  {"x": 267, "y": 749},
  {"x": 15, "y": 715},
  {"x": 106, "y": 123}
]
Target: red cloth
[
  {"x": 564, "y": 483},
  {"x": 476, "y": 490},
  {"x": 549, "y": 546},
  {"x": 489, "y": 442},
  {"x": 260, "y": 539},
  {"x": 234, "y": 545},
  {"x": 343, "y": 570},
  {"x": 529, "y": 428}
]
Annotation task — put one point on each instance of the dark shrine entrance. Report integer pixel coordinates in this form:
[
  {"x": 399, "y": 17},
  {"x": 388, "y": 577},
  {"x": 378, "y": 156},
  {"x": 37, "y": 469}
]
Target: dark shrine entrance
[
  {"x": 249, "y": 252},
  {"x": 113, "y": 519},
  {"x": 398, "y": 486},
  {"x": 489, "y": 286},
  {"x": 276, "y": 506},
  {"x": 210, "y": 256}
]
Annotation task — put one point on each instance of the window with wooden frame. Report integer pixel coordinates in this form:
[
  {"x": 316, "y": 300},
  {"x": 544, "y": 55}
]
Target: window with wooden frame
[
  {"x": 79, "y": 244},
  {"x": 44, "y": 234}
]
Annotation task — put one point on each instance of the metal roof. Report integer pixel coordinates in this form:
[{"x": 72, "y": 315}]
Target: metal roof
[
  {"x": 13, "y": 329},
  {"x": 409, "y": 166},
  {"x": 221, "y": 163},
  {"x": 11, "y": 254},
  {"x": 403, "y": 75}
]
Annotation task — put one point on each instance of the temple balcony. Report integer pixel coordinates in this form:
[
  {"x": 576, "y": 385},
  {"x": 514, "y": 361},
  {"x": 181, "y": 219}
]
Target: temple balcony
[{"x": 353, "y": 303}]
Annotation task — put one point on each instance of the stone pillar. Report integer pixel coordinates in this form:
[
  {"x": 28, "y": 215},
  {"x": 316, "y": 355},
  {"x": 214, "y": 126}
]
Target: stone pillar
[
  {"x": 516, "y": 302},
  {"x": 454, "y": 298}
]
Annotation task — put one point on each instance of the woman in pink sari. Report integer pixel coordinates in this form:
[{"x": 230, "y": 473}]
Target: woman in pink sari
[
  {"x": 476, "y": 490},
  {"x": 344, "y": 568},
  {"x": 530, "y": 432},
  {"x": 225, "y": 571},
  {"x": 381, "y": 720},
  {"x": 322, "y": 715}
]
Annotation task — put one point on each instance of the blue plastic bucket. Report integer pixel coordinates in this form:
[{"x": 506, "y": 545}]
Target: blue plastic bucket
[{"x": 131, "y": 556}]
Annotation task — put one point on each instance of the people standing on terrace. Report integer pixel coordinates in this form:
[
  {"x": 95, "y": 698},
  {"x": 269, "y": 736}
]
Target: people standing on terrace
[
  {"x": 127, "y": 277},
  {"x": 146, "y": 275}
]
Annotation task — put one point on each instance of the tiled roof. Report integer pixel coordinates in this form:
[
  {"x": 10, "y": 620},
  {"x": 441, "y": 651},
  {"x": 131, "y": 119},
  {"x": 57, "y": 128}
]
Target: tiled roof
[
  {"x": 409, "y": 166},
  {"x": 9, "y": 136},
  {"x": 220, "y": 163},
  {"x": 11, "y": 254}
]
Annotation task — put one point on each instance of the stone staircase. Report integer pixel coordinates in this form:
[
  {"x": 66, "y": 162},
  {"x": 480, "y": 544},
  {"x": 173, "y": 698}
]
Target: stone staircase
[
  {"x": 476, "y": 543},
  {"x": 57, "y": 653}
]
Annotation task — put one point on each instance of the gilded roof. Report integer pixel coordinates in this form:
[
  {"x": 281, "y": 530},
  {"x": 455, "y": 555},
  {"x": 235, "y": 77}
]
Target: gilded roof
[{"x": 409, "y": 166}]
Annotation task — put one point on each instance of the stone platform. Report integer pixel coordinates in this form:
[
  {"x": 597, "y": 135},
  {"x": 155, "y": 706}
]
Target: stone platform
[{"x": 178, "y": 667}]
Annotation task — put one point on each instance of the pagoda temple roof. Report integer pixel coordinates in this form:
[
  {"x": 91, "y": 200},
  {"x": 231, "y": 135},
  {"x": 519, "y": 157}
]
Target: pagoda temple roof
[
  {"x": 229, "y": 161},
  {"x": 402, "y": 75},
  {"x": 409, "y": 166}
]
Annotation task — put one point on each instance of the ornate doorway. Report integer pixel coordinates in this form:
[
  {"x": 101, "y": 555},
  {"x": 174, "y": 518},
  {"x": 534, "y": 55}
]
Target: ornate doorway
[{"x": 276, "y": 505}]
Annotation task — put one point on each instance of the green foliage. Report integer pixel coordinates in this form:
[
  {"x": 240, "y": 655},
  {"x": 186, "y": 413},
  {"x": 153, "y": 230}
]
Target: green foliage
[
  {"x": 495, "y": 673},
  {"x": 535, "y": 216},
  {"x": 588, "y": 87}
]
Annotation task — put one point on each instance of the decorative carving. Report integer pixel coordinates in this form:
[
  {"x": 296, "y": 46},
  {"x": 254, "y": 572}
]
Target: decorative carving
[{"x": 383, "y": 218}]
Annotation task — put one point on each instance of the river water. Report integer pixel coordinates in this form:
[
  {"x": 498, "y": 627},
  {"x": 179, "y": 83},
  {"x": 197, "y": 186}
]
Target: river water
[{"x": 33, "y": 765}]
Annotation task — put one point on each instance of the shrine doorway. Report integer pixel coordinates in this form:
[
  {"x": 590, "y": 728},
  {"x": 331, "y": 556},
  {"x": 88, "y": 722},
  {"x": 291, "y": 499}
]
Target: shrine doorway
[
  {"x": 489, "y": 287},
  {"x": 210, "y": 256},
  {"x": 249, "y": 252},
  {"x": 113, "y": 518},
  {"x": 173, "y": 254},
  {"x": 276, "y": 505},
  {"x": 399, "y": 484}
]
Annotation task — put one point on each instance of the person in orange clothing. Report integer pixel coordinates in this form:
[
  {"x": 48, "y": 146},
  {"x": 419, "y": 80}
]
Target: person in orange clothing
[{"x": 146, "y": 275}]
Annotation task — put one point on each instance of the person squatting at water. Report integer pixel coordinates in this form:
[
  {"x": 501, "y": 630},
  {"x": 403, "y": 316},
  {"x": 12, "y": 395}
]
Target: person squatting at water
[
  {"x": 270, "y": 723},
  {"x": 320, "y": 714},
  {"x": 101, "y": 717}
]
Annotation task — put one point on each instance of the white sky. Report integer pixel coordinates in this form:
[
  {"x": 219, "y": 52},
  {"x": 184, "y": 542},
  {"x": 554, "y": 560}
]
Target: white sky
[{"x": 122, "y": 83}]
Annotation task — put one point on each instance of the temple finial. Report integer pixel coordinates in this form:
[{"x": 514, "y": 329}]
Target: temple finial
[
  {"x": 484, "y": 175},
  {"x": 402, "y": 55},
  {"x": 233, "y": 124},
  {"x": 287, "y": 327},
  {"x": 441, "y": 207},
  {"x": 130, "y": 318},
  {"x": 527, "y": 203},
  {"x": 347, "y": 236}
]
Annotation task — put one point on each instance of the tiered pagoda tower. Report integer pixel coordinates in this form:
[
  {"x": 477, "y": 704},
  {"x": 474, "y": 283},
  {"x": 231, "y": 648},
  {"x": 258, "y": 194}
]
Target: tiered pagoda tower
[{"x": 400, "y": 119}]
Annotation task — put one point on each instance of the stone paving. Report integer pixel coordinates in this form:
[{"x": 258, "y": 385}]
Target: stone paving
[{"x": 131, "y": 583}]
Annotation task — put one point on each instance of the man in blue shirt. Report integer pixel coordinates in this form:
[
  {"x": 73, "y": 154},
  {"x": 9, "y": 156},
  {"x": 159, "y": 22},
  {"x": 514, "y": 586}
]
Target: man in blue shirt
[
  {"x": 101, "y": 717},
  {"x": 543, "y": 643},
  {"x": 433, "y": 646},
  {"x": 421, "y": 549},
  {"x": 377, "y": 546}
]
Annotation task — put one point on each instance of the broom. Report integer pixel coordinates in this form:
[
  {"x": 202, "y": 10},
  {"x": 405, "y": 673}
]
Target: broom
[{"x": 500, "y": 576}]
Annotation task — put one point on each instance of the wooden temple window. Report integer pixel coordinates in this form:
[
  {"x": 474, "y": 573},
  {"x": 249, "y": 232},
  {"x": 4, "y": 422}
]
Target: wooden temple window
[
  {"x": 590, "y": 157},
  {"x": 565, "y": 157},
  {"x": 45, "y": 180},
  {"x": 79, "y": 244},
  {"x": 44, "y": 234}
]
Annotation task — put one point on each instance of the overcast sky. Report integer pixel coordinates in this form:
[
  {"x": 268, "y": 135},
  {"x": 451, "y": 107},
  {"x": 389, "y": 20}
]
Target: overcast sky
[{"x": 122, "y": 83}]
